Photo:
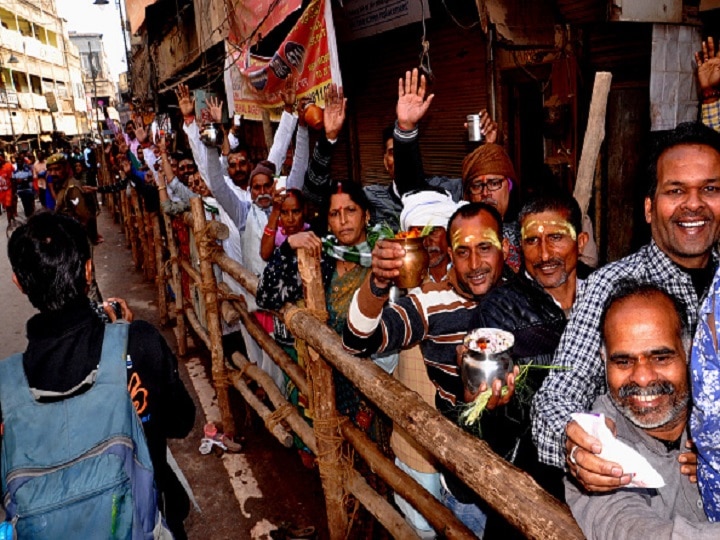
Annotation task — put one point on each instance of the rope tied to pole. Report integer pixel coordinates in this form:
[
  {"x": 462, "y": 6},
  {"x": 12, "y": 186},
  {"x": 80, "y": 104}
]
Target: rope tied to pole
[
  {"x": 322, "y": 316},
  {"x": 278, "y": 415}
]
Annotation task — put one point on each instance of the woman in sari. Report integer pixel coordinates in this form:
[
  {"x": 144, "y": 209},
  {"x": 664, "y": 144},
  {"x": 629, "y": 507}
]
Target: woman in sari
[{"x": 345, "y": 261}]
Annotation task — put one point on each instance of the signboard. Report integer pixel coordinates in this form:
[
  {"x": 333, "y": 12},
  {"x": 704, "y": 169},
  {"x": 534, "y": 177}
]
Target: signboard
[
  {"x": 9, "y": 97},
  {"x": 306, "y": 59},
  {"x": 363, "y": 18}
]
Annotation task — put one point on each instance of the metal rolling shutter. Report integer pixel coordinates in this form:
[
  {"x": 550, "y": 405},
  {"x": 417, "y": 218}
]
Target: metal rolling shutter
[{"x": 371, "y": 68}]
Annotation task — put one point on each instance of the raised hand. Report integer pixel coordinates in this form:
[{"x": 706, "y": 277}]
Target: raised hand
[
  {"x": 334, "y": 114},
  {"x": 121, "y": 143},
  {"x": 215, "y": 107},
  {"x": 141, "y": 133},
  {"x": 278, "y": 198},
  {"x": 386, "y": 262},
  {"x": 288, "y": 94},
  {"x": 412, "y": 103},
  {"x": 708, "y": 62},
  {"x": 185, "y": 102}
]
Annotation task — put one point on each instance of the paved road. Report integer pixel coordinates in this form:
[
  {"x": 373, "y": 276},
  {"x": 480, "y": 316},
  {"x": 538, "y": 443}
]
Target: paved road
[{"x": 239, "y": 496}]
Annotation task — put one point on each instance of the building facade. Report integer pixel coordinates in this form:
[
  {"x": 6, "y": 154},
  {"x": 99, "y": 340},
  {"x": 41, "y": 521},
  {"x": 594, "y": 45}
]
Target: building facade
[
  {"x": 96, "y": 77},
  {"x": 40, "y": 94}
]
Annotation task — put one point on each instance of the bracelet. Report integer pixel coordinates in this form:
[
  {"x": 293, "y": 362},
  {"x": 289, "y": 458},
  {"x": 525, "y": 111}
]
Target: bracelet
[
  {"x": 710, "y": 93},
  {"x": 268, "y": 231},
  {"x": 380, "y": 292},
  {"x": 160, "y": 188}
]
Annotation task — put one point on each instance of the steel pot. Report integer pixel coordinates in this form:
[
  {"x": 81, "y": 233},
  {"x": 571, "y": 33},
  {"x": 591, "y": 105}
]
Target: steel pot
[{"x": 484, "y": 365}]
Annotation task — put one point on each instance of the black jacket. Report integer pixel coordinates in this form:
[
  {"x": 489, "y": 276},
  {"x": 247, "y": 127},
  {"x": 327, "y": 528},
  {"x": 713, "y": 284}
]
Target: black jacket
[{"x": 522, "y": 307}]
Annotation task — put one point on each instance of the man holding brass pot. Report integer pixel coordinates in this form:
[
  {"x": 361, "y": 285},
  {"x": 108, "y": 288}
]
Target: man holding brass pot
[{"x": 435, "y": 316}]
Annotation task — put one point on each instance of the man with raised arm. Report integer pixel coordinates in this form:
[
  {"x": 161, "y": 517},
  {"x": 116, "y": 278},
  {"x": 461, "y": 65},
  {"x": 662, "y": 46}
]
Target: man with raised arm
[{"x": 435, "y": 316}]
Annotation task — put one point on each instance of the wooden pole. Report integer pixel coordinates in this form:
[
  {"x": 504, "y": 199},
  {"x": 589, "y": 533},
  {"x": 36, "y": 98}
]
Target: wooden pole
[
  {"x": 126, "y": 219},
  {"x": 150, "y": 262},
  {"x": 199, "y": 330},
  {"x": 331, "y": 462},
  {"x": 135, "y": 230},
  {"x": 440, "y": 517},
  {"x": 298, "y": 424},
  {"x": 279, "y": 432},
  {"x": 276, "y": 352},
  {"x": 510, "y": 491},
  {"x": 160, "y": 272},
  {"x": 176, "y": 279},
  {"x": 379, "y": 507},
  {"x": 594, "y": 135},
  {"x": 238, "y": 272},
  {"x": 209, "y": 290}
]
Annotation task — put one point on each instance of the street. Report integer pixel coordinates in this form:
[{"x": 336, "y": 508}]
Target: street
[{"x": 236, "y": 496}]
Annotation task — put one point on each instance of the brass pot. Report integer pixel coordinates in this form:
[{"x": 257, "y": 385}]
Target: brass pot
[{"x": 415, "y": 262}]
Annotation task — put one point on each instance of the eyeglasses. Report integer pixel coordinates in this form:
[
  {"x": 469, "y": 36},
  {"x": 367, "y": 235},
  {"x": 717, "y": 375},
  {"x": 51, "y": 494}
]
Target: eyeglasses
[{"x": 492, "y": 185}]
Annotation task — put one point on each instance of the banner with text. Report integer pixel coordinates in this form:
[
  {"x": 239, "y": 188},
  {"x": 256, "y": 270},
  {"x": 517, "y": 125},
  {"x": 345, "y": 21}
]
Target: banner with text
[{"x": 306, "y": 59}]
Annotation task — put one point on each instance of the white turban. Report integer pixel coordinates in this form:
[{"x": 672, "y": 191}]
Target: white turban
[{"x": 422, "y": 208}]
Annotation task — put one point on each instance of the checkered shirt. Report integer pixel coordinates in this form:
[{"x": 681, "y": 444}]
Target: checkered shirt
[
  {"x": 711, "y": 114},
  {"x": 574, "y": 389}
]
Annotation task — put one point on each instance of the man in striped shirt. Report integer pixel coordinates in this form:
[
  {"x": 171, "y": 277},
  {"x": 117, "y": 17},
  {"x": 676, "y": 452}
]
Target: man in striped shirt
[{"x": 435, "y": 315}]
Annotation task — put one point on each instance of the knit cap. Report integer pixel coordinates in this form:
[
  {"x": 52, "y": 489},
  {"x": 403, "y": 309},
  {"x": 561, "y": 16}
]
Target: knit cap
[
  {"x": 487, "y": 159},
  {"x": 264, "y": 167}
]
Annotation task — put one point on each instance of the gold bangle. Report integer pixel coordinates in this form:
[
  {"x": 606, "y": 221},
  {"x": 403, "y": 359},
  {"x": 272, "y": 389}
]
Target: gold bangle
[{"x": 160, "y": 188}]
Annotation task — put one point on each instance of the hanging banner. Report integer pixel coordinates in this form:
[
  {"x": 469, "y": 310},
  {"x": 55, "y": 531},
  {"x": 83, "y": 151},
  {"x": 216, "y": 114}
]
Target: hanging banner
[
  {"x": 306, "y": 59},
  {"x": 257, "y": 17}
]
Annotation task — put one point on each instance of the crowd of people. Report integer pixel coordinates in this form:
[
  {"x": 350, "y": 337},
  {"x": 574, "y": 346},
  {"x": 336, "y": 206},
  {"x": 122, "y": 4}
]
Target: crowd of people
[{"x": 635, "y": 341}]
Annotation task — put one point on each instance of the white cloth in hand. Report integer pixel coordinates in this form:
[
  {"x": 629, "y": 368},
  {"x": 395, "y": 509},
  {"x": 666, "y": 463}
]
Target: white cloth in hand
[{"x": 644, "y": 475}]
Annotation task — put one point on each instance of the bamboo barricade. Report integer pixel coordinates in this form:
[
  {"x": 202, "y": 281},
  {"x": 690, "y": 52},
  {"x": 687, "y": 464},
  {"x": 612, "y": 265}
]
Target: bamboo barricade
[
  {"x": 160, "y": 273},
  {"x": 508, "y": 490}
]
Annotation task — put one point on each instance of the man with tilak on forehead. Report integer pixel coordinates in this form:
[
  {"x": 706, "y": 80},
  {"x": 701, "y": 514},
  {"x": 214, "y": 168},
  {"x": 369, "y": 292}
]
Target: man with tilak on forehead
[
  {"x": 533, "y": 306},
  {"x": 435, "y": 316}
]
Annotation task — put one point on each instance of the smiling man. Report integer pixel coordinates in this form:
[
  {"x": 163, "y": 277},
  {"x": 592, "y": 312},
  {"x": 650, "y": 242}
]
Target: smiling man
[
  {"x": 533, "y": 306},
  {"x": 645, "y": 347},
  {"x": 435, "y": 316},
  {"x": 682, "y": 207}
]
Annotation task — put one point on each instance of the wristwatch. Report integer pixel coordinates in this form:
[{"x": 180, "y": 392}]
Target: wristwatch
[{"x": 379, "y": 291}]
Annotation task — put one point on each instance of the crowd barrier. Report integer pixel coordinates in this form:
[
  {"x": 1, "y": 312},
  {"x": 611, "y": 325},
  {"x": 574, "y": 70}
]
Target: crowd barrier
[{"x": 179, "y": 254}]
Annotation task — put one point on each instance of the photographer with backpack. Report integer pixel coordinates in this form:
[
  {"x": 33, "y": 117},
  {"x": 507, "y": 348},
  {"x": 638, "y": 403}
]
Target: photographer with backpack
[{"x": 88, "y": 407}]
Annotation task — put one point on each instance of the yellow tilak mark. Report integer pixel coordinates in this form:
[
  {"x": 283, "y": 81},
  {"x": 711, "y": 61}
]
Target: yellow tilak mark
[
  {"x": 534, "y": 227},
  {"x": 461, "y": 238}
]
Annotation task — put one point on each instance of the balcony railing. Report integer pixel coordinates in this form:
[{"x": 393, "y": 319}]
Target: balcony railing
[{"x": 32, "y": 48}]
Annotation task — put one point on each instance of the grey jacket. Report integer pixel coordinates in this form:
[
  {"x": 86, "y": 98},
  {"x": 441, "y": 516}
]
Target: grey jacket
[{"x": 674, "y": 511}]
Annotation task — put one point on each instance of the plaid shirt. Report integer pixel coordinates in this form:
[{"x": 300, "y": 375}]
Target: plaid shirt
[
  {"x": 574, "y": 390},
  {"x": 711, "y": 114}
]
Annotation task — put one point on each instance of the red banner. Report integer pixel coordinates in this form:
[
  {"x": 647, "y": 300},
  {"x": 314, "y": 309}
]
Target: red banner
[
  {"x": 303, "y": 60},
  {"x": 257, "y": 16}
]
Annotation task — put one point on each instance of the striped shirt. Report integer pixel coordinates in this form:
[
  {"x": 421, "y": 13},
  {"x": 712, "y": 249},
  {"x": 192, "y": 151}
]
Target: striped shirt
[{"x": 434, "y": 315}]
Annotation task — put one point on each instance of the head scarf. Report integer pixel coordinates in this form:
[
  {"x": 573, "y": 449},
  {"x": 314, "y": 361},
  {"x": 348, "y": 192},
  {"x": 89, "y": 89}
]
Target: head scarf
[
  {"x": 487, "y": 159},
  {"x": 264, "y": 167},
  {"x": 427, "y": 208},
  {"x": 360, "y": 253}
]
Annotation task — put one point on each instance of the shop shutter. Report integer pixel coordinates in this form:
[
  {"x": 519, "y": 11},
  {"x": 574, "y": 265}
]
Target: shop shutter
[{"x": 371, "y": 68}]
